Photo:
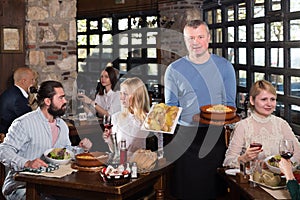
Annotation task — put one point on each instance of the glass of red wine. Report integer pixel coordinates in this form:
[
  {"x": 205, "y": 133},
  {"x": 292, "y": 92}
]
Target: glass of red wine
[
  {"x": 255, "y": 164},
  {"x": 107, "y": 121},
  {"x": 255, "y": 144},
  {"x": 286, "y": 148}
]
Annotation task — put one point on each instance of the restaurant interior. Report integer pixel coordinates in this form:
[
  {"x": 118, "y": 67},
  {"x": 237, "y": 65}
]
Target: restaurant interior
[{"x": 73, "y": 40}]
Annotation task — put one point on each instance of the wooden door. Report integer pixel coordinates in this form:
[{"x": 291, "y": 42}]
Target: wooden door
[{"x": 12, "y": 14}]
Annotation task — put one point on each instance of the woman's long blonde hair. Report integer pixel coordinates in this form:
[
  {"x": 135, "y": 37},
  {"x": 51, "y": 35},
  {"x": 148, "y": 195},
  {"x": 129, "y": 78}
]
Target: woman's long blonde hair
[{"x": 139, "y": 102}]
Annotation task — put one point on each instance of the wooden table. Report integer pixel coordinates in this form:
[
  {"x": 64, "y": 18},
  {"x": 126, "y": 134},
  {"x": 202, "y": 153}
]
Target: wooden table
[
  {"x": 238, "y": 190},
  {"x": 89, "y": 185},
  {"x": 89, "y": 129}
]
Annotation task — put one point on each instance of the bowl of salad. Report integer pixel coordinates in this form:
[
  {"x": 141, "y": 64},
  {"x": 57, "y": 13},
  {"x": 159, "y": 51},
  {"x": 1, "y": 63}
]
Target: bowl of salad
[
  {"x": 272, "y": 163},
  {"x": 61, "y": 156}
]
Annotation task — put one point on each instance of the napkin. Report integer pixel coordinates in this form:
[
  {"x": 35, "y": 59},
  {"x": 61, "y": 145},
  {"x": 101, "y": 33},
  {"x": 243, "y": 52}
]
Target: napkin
[
  {"x": 62, "y": 171},
  {"x": 278, "y": 194}
]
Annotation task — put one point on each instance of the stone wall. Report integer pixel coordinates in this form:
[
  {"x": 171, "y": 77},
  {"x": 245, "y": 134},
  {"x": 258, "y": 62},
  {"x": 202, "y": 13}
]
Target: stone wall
[
  {"x": 50, "y": 37},
  {"x": 50, "y": 40}
]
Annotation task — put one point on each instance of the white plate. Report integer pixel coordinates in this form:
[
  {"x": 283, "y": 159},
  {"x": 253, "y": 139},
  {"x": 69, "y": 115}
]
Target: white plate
[
  {"x": 276, "y": 169},
  {"x": 267, "y": 186},
  {"x": 232, "y": 172},
  {"x": 56, "y": 161},
  {"x": 172, "y": 128}
]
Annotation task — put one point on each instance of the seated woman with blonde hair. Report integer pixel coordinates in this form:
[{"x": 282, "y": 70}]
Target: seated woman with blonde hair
[{"x": 127, "y": 123}]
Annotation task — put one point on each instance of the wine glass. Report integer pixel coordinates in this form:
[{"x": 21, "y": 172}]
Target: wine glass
[
  {"x": 254, "y": 143},
  {"x": 107, "y": 121},
  {"x": 286, "y": 148},
  {"x": 255, "y": 165}
]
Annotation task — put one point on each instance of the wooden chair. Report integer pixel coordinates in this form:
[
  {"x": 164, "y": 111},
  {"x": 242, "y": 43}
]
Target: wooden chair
[
  {"x": 228, "y": 133},
  {"x": 2, "y": 170}
]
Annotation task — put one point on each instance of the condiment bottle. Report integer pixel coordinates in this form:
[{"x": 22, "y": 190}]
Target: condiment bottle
[
  {"x": 128, "y": 167},
  {"x": 134, "y": 170},
  {"x": 123, "y": 152}
]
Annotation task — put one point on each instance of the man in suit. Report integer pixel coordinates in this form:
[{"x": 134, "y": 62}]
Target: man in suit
[{"x": 14, "y": 100}]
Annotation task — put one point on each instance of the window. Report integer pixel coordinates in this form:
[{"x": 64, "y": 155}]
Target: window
[
  {"x": 126, "y": 41},
  {"x": 262, "y": 43}
]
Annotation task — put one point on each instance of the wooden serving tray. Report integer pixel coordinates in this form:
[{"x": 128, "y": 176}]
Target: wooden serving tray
[
  {"x": 219, "y": 123},
  {"x": 86, "y": 169}
]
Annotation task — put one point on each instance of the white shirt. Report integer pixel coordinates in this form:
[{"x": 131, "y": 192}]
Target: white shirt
[
  {"x": 129, "y": 129},
  {"x": 109, "y": 101}
]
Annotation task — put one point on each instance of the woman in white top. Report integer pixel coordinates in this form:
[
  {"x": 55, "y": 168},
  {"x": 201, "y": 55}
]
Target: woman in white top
[
  {"x": 261, "y": 127},
  {"x": 127, "y": 123},
  {"x": 107, "y": 100}
]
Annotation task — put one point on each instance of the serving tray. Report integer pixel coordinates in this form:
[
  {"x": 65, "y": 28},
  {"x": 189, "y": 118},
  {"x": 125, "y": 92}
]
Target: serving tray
[
  {"x": 281, "y": 186},
  {"x": 219, "y": 123},
  {"x": 86, "y": 169}
]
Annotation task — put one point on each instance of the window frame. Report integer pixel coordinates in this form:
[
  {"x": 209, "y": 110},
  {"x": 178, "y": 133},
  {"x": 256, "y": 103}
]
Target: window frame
[
  {"x": 130, "y": 62},
  {"x": 285, "y": 99}
]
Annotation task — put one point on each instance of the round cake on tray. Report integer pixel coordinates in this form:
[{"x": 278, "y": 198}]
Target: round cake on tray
[{"x": 218, "y": 112}]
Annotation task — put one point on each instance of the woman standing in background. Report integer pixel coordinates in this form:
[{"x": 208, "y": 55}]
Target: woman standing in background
[{"x": 107, "y": 99}]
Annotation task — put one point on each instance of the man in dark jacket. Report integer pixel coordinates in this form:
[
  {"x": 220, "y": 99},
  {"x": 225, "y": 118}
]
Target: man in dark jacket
[{"x": 14, "y": 100}]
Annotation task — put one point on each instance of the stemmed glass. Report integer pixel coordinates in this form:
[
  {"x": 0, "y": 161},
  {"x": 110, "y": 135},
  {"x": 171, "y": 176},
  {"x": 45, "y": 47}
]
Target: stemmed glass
[
  {"x": 255, "y": 165},
  {"x": 107, "y": 121},
  {"x": 286, "y": 148}
]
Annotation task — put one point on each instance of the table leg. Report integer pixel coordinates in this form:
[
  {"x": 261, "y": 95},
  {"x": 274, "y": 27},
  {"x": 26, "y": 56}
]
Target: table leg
[
  {"x": 31, "y": 192},
  {"x": 159, "y": 187}
]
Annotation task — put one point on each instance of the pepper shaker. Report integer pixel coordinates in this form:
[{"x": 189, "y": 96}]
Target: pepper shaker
[{"x": 134, "y": 170}]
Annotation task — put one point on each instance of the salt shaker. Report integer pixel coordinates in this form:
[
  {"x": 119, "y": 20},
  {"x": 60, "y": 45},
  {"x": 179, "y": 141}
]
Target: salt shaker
[
  {"x": 128, "y": 167},
  {"x": 134, "y": 170}
]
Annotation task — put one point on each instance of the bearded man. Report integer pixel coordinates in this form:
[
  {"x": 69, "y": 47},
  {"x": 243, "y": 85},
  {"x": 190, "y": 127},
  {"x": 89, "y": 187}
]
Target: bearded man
[{"x": 32, "y": 134}]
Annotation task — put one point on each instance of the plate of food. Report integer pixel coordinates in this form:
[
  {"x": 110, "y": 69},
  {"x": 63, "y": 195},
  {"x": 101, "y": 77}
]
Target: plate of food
[
  {"x": 59, "y": 156},
  {"x": 268, "y": 179},
  {"x": 162, "y": 118},
  {"x": 272, "y": 163},
  {"x": 218, "y": 112}
]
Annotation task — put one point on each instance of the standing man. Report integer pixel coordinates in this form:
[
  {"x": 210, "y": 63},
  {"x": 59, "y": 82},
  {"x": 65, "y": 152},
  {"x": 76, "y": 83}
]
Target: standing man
[
  {"x": 198, "y": 79},
  {"x": 14, "y": 100},
  {"x": 32, "y": 134}
]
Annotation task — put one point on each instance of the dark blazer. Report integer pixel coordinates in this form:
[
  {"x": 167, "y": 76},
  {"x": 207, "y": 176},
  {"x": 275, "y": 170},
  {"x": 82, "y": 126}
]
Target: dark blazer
[{"x": 13, "y": 104}]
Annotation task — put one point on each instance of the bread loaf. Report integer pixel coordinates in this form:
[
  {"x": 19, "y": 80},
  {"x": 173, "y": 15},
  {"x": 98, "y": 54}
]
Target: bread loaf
[{"x": 145, "y": 160}]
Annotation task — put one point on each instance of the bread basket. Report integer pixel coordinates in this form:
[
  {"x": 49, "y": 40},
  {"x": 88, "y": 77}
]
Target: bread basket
[{"x": 115, "y": 180}]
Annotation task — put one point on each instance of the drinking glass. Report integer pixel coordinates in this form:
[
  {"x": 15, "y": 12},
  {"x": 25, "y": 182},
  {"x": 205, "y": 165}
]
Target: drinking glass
[
  {"x": 286, "y": 148},
  {"x": 107, "y": 121},
  {"x": 255, "y": 144},
  {"x": 254, "y": 164},
  {"x": 80, "y": 91}
]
